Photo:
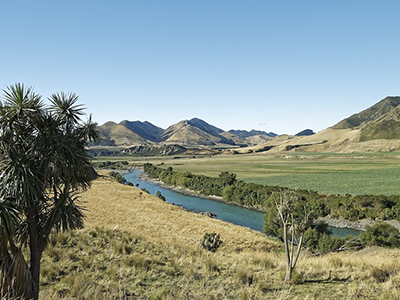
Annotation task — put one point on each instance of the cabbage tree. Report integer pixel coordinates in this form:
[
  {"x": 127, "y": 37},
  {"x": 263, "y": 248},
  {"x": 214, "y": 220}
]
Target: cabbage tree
[{"x": 43, "y": 165}]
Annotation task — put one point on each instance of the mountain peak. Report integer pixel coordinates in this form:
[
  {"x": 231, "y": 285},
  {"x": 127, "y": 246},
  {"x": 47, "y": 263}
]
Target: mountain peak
[
  {"x": 145, "y": 129},
  {"x": 203, "y": 125}
]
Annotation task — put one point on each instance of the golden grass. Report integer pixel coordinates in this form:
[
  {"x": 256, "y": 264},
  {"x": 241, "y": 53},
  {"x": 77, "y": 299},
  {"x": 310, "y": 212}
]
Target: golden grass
[
  {"x": 112, "y": 205},
  {"x": 136, "y": 246},
  {"x": 329, "y": 140}
]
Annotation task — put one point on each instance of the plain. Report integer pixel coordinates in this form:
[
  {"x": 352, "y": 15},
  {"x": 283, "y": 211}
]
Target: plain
[{"x": 331, "y": 173}]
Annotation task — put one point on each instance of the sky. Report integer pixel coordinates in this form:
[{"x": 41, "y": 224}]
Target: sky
[{"x": 274, "y": 65}]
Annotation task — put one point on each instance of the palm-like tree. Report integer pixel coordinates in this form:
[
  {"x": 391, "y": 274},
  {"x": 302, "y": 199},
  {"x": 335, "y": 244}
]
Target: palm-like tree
[{"x": 43, "y": 165}]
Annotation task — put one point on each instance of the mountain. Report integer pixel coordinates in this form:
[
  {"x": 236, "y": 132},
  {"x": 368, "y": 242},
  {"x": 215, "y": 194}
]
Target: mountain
[
  {"x": 372, "y": 113},
  {"x": 212, "y": 130},
  {"x": 114, "y": 134},
  {"x": 185, "y": 133},
  {"x": 204, "y": 126},
  {"x": 376, "y": 128},
  {"x": 194, "y": 132},
  {"x": 144, "y": 129}
]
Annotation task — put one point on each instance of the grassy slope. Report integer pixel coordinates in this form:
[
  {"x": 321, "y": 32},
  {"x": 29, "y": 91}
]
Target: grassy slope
[
  {"x": 337, "y": 141},
  {"x": 137, "y": 247}
]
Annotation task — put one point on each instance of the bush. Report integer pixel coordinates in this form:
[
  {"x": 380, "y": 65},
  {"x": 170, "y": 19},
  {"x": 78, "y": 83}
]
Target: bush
[
  {"x": 159, "y": 195},
  {"x": 211, "y": 241},
  {"x": 381, "y": 234},
  {"x": 117, "y": 177}
]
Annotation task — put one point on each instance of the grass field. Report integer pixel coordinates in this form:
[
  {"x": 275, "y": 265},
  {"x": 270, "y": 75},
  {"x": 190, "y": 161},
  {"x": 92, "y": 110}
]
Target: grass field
[
  {"x": 374, "y": 181},
  {"x": 360, "y": 173},
  {"x": 136, "y": 246}
]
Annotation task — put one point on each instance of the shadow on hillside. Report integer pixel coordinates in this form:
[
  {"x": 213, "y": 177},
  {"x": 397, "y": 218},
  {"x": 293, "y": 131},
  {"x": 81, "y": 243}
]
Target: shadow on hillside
[{"x": 330, "y": 279}]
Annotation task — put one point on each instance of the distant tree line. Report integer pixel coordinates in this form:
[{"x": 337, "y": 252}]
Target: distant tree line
[{"x": 227, "y": 186}]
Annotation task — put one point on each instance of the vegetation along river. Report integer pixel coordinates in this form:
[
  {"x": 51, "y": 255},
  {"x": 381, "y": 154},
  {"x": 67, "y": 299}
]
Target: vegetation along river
[{"x": 224, "y": 211}]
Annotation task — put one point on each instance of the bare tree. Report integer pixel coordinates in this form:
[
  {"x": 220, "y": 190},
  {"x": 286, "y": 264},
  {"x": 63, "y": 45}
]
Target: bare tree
[{"x": 295, "y": 220}]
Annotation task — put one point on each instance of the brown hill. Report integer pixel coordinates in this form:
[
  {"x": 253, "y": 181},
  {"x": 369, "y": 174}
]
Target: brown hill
[
  {"x": 145, "y": 129},
  {"x": 372, "y": 113},
  {"x": 184, "y": 133},
  {"x": 119, "y": 135},
  {"x": 194, "y": 132},
  {"x": 376, "y": 128}
]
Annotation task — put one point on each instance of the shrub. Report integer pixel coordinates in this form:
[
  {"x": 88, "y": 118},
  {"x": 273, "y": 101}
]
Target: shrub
[
  {"x": 380, "y": 274},
  {"x": 211, "y": 241},
  {"x": 159, "y": 195},
  {"x": 117, "y": 177},
  {"x": 381, "y": 234}
]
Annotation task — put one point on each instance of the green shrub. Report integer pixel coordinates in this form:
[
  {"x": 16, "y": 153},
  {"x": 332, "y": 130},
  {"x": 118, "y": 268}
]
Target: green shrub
[
  {"x": 211, "y": 241},
  {"x": 160, "y": 196},
  {"x": 117, "y": 177},
  {"x": 381, "y": 234}
]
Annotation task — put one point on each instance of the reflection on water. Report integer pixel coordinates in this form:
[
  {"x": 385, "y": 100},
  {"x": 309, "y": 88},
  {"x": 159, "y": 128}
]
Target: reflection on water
[{"x": 224, "y": 211}]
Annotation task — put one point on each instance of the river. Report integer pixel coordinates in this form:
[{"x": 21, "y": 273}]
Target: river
[{"x": 227, "y": 212}]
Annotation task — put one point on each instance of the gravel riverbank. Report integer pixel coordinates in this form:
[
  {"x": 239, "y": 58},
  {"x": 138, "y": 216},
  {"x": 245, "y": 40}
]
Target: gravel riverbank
[{"x": 359, "y": 225}]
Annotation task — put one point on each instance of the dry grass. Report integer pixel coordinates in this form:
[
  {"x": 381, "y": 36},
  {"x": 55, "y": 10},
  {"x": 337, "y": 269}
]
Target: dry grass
[
  {"x": 136, "y": 246},
  {"x": 329, "y": 140}
]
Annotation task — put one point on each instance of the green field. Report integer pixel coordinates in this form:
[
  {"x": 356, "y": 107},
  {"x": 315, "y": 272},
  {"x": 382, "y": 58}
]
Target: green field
[
  {"x": 360, "y": 173},
  {"x": 374, "y": 181}
]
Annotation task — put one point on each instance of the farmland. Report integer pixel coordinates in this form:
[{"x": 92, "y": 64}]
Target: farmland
[{"x": 355, "y": 173}]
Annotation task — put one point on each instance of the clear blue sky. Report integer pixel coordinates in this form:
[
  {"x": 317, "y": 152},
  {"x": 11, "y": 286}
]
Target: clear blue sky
[{"x": 273, "y": 65}]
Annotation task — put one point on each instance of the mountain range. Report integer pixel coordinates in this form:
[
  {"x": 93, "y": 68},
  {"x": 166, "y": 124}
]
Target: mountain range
[
  {"x": 193, "y": 132},
  {"x": 376, "y": 128}
]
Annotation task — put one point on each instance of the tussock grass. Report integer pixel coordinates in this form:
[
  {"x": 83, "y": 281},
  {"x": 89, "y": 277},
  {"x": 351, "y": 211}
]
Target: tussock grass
[{"x": 136, "y": 246}]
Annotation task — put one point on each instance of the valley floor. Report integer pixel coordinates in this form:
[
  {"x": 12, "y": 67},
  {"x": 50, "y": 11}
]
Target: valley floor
[{"x": 136, "y": 246}]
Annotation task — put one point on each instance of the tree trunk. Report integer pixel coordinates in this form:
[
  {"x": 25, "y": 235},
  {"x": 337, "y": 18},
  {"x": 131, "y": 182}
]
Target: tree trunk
[
  {"x": 288, "y": 276},
  {"x": 35, "y": 251}
]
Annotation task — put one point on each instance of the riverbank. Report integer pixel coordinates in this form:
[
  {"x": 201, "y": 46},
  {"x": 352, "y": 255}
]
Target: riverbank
[
  {"x": 143, "y": 176},
  {"x": 358, "y": 225},
  {"x": 338, "y": 223}
]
